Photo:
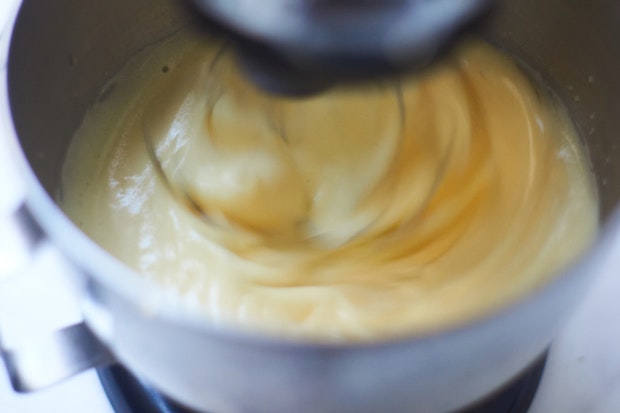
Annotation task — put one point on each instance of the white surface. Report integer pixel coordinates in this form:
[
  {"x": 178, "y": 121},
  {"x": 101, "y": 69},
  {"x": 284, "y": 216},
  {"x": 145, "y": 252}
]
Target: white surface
[{"x": 582, "y": 374}]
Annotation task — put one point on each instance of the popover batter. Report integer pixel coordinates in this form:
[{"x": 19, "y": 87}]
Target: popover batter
[{"x": 403, "y": 207}]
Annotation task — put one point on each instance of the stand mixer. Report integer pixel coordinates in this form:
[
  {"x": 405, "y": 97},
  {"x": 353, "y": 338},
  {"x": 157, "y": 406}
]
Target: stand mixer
[
  {"x": 56, "y": 56},
  {"x": 298, "y": 47}
]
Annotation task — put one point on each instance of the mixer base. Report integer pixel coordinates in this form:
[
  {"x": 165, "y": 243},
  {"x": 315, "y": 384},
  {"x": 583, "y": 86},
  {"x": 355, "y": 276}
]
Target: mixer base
[{"x": 127, "y": 394}]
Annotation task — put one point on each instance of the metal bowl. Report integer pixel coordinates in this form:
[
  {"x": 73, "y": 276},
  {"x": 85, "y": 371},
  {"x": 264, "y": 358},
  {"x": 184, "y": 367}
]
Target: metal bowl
[{"x": 61, "y": 55}]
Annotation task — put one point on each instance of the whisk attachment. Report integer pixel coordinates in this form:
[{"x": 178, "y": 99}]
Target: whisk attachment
[{"x": 262, "y": 168}]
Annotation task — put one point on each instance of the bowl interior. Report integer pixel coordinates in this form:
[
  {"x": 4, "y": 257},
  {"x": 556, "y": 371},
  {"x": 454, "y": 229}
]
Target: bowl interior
[{"x": 63, "y": 52}]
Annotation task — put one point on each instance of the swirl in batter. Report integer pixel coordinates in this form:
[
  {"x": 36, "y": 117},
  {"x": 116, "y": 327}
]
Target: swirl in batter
[{"x": 391, "y": 209}]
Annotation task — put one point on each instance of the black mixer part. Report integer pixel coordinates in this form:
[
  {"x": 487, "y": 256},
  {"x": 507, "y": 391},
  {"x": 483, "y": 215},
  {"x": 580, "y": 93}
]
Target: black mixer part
[
  {"x": 297, "y": 47},
  {"x": 128, "y": 394}
]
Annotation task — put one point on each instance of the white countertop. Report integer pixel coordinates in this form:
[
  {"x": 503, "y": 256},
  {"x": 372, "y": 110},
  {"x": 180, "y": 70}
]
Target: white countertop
[{"x": 582, "y": 373}]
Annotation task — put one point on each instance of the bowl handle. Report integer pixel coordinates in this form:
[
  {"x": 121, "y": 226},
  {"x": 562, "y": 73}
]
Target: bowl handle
[
  {"x": 64, "y": 353},
  {"x": 35, "y": 363}
]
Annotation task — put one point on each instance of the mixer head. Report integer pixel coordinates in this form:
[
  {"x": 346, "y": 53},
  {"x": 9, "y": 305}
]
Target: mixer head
[{"x": 298, "y": 47}]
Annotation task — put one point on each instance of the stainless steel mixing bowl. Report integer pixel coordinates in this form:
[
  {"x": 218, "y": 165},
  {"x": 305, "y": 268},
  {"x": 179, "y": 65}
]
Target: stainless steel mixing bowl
[{"x": 62, "y": 54}]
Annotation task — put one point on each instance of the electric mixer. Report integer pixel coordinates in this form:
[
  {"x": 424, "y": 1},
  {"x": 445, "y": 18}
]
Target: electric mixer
[
  {"x": 298, "y": 51},
  {"x": 303, "y": 46}
]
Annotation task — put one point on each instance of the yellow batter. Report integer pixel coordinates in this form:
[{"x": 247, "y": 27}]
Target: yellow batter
[{"x": 398, "y": 208}]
